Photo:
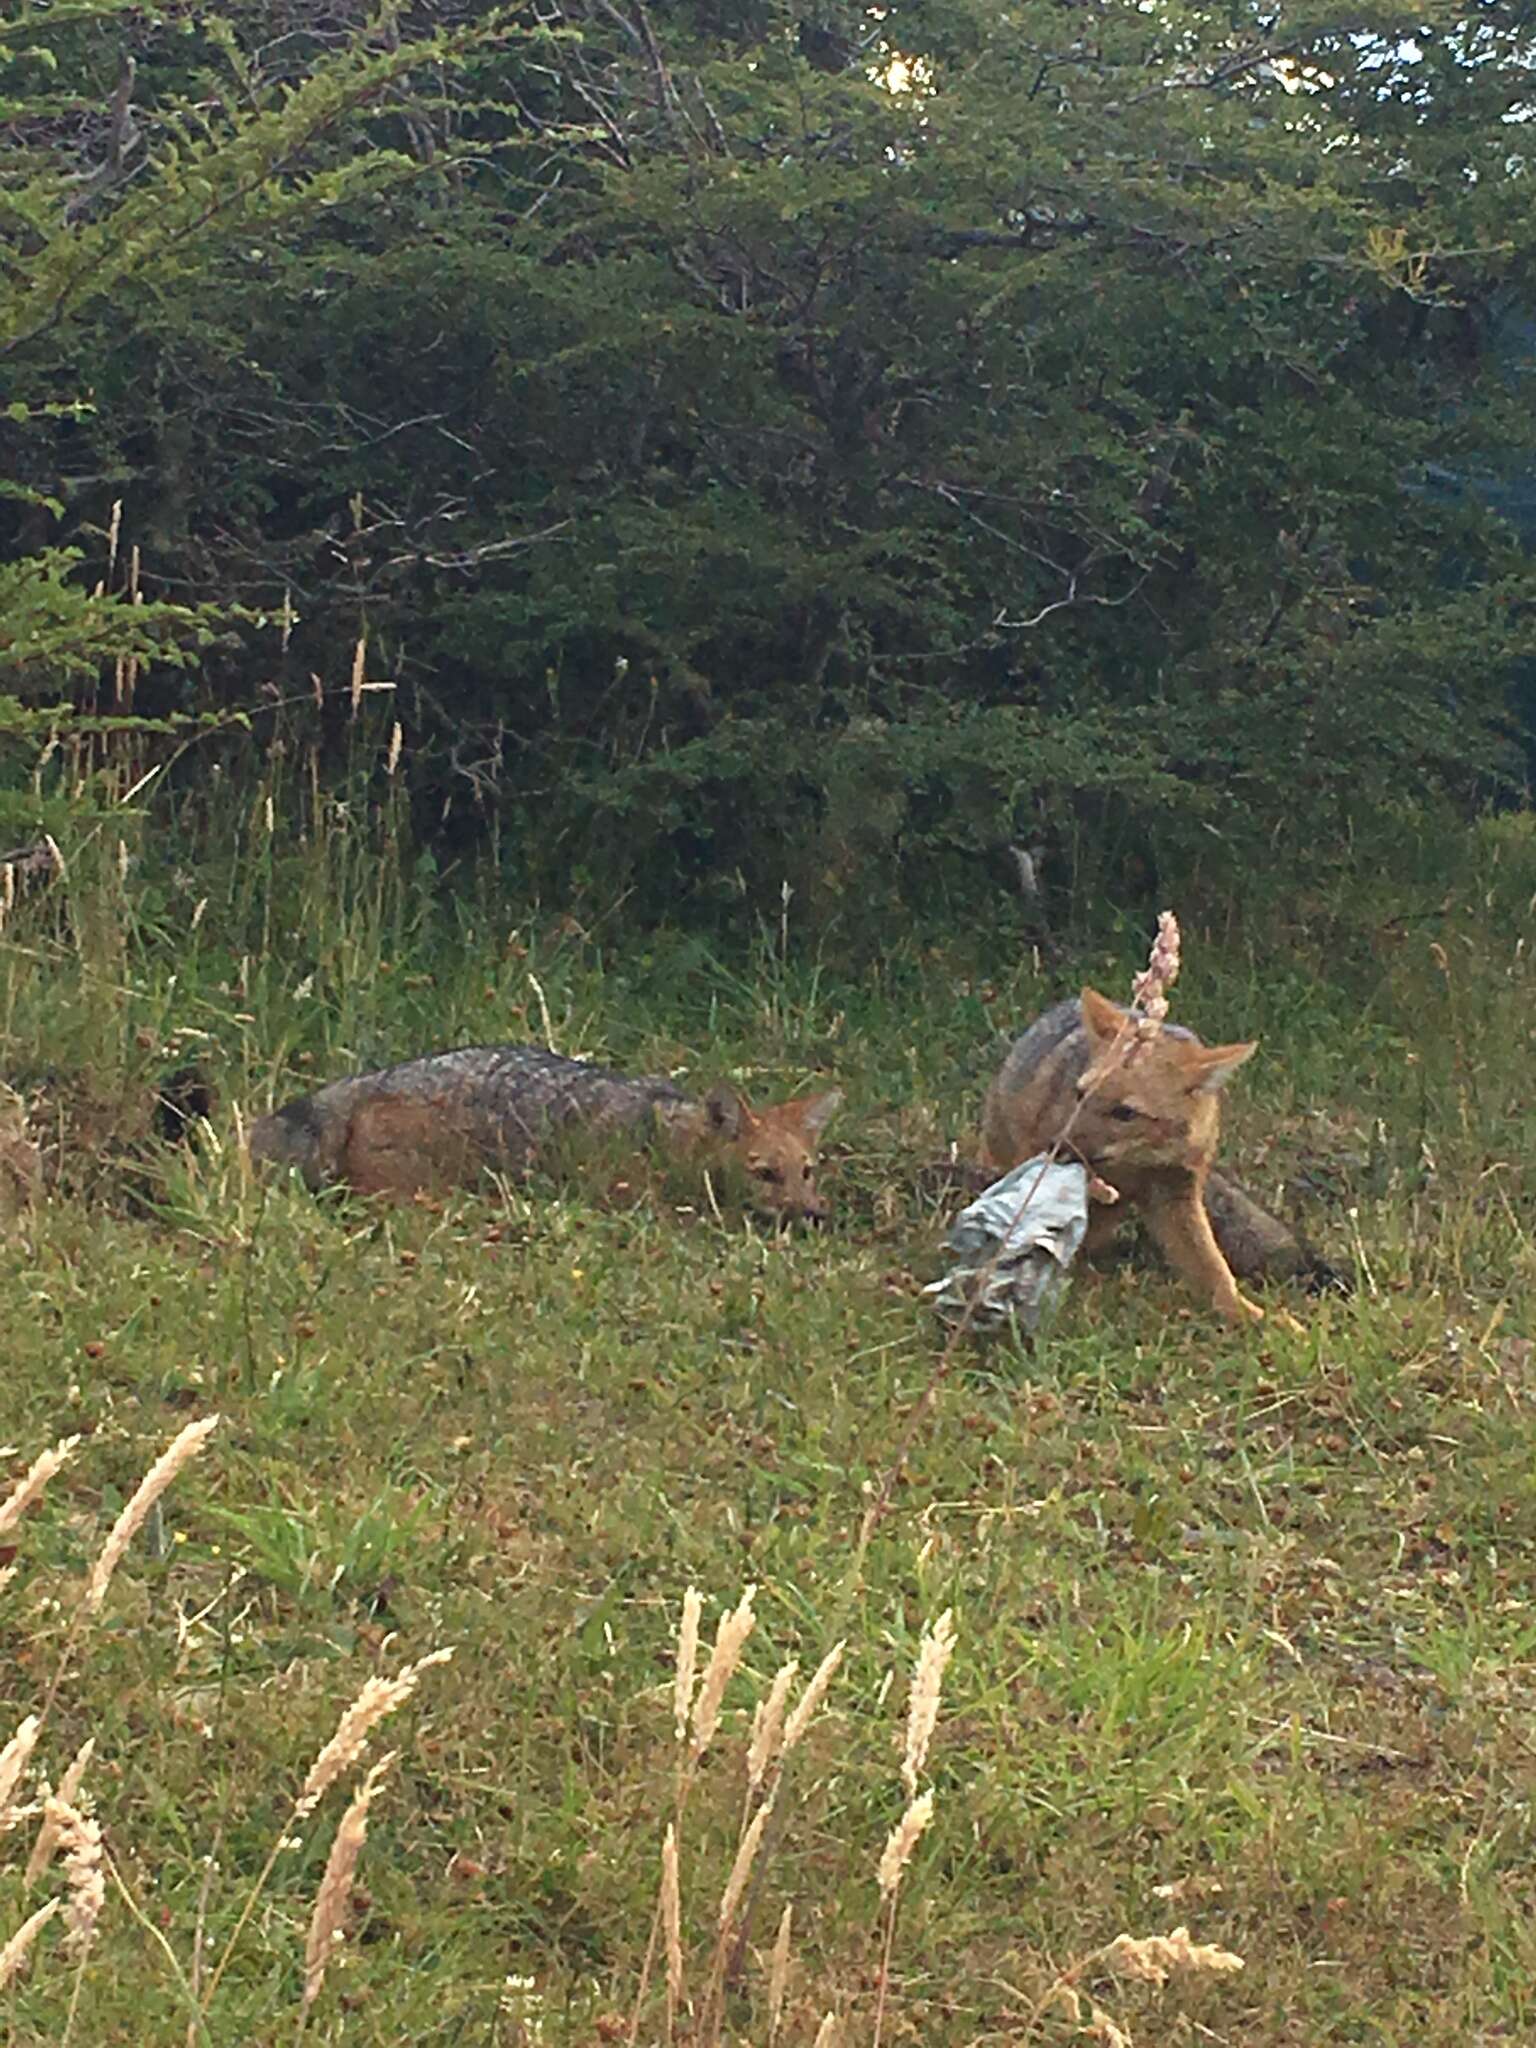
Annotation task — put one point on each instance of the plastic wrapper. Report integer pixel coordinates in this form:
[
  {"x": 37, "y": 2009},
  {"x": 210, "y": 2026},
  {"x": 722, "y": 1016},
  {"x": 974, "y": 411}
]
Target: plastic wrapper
[{"x": 1014, "y": 1246}]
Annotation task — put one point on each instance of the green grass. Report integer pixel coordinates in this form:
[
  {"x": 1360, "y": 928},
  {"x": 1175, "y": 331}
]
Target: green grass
[{"x": 1245, "y": 1615}]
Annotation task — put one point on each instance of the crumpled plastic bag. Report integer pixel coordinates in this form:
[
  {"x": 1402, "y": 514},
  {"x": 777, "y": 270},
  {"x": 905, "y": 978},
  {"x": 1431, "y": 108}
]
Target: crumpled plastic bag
[{"x": 1014, "y": 1245}]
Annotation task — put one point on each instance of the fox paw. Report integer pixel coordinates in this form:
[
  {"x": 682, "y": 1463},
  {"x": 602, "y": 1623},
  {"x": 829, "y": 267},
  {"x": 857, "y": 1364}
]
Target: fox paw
[{"x": 1278, "y": 1318}]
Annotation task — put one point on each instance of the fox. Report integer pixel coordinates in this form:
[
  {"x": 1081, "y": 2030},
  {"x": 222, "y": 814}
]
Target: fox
[
  {"x": 1144, "y": 1115},
  {"x": 446, "y": 1118}
]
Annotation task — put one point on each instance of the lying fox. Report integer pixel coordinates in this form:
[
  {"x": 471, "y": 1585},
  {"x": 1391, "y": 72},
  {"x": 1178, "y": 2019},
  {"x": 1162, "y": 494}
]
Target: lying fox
[
  {"x": 1144, "y": 1115},
  {"x": 443, "y": 1120}
]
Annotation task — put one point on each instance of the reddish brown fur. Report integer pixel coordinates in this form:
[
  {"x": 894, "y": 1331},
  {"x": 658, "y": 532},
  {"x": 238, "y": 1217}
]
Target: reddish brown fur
[
  {"x": 21, "y": 1175},
  {"x": 442, "y": 1120},
  {"x": 1144, "y": 1114},
  {"x": 775, "y": 1147},
  {"x": 405, "y": 1145}
]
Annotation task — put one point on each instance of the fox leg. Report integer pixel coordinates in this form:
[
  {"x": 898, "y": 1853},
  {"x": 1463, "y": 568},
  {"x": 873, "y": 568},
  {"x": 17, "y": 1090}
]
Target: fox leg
[
  {"x": 1182, "y": 1231},
  {"x": 1254, "y": 1244},
  {"x": 1103, "y": 1228}
]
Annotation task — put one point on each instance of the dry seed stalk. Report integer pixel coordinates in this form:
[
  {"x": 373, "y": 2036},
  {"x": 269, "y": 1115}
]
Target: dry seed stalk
[
  {"x": 933, "y": 1655},
  {"x": 1105, "y": 2030},
  {"x": 899, "y": 1844},
  {"x": 741, "y": 1869},
  {"x": 14, "y": 1954},
  {"x": 80, "y": 1837},
  {"x": 672, "y": 1925},
  {"x": 182, "y": 1449},
  {"x": 730, "y": 1639},
  {"x": 1149, "y": 1959},
  {"x": 901, "y": 1841},
  {"x": 768, "y": 1726},
  {"x": 48, "y": 1832},
  {"x": 37, "y": 1476},
  {"x": 14, "y": 1759},
  {"x": 327, "y": 1921},
  {"x": 379, "y": 1698},
  {"x": 1154, "y": 1958},
  {"x": 826, "y": 2033},
  {"x": 778, "y": 1973},
  {"x": 1149, "y": 991},
  {"x": 687, "y": 1660},
  {"x": 815, "y": 1692}
]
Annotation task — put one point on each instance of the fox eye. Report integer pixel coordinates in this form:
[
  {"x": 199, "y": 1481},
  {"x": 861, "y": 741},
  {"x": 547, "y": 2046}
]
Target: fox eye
[{"x": 1123, "y": 1113}]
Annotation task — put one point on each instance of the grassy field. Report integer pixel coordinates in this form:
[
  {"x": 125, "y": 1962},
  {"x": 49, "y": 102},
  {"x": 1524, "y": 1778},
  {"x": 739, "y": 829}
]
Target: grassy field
[{"x": 1245, "y": 1623}]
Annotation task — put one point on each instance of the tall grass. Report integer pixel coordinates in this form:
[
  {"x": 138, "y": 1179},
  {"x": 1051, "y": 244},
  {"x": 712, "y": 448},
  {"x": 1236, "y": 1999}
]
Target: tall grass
[{"x": 1236, "y": 1622}]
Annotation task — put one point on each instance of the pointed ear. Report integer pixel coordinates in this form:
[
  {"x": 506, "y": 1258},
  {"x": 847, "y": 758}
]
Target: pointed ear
[
  {"x": 726, "y": 1112},
  {"x": 815, "y": 1112},
  {"x": 1214, "y": 1065},
  {"x": 1102, "y": 1019}
]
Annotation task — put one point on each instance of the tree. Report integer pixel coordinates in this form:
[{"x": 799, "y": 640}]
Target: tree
[{"x": 809, "y": 442}]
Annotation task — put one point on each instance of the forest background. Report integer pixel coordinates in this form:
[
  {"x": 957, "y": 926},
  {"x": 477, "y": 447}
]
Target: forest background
[{"x": 764, "y": 445}]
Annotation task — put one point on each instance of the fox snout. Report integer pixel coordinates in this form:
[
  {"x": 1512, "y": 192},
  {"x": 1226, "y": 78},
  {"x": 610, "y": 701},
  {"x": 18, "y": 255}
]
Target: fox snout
[{"x": 789, "y": 1194}]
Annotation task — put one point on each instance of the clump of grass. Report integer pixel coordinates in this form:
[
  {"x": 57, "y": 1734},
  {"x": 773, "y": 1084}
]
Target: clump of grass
[
  {"x": 935, "y": 1649},
  {"x": 69, "y": 1831},
  {"x": 1143, "y": 1959}
]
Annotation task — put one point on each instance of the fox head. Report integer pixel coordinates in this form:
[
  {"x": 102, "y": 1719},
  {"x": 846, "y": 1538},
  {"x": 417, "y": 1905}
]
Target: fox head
[
  {"x": 773, "y": 1148},
  {"x": 1148, "y": 1102}
]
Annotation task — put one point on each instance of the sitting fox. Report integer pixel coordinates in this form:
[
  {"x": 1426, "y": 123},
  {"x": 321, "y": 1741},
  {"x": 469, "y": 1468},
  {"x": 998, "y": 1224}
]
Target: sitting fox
[
  {"x": 443, "y": 1120},
  {"x": 1143, "y": 1114}
]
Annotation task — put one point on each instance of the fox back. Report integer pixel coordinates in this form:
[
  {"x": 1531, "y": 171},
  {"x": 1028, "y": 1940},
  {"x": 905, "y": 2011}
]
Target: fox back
[{"x": 447, "y": 1117}]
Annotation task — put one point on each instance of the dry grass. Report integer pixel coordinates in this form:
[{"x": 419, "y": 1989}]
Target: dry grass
[{"x": 69, "y": 1831}]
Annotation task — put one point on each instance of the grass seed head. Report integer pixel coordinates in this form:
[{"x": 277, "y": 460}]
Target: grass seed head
[
  {"x": 327, "y": 1922},
  {"x": 48, "y": 1831},
  {"x": 741, "y": 1869},
  {"x": 810, "y": 1700},
  {"x": 730, "y": 1640},
  {"x": 687, "y": 1660},
  {"x": 14, "y": 1759},
  {"x": 1105, "y": 2030},
  {"x": 379, "y": 1698},
  {"x": 37, "y": 1476},
  {"x": 672, "y": 1915},
  {"x": 934, "y": 1653},
  {"x": 1149, "y": 991},
  {"x": 79, "y": 1836},
  {"x": 778, "y": 1972},
  {"x": 901, "y": 1841},
  {"x": 768, "y": 1726},
  {"x": 180, "y": 1452},
  {"x": 14, "y": 1955},
  {"x": 1154, "y": 1958}
]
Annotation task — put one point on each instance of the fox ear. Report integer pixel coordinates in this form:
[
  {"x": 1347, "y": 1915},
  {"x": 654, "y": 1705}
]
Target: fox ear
[
  {"x": 1102, "y": 1019},
  {"x": 726, "y": 1111},
  {"x": 1214, "y": 1065},
  {"x": 817, "y": 1111}
]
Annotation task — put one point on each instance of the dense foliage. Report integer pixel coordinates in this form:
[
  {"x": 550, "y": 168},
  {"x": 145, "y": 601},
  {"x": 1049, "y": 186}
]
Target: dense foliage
[{"x": 782, "y": 440}]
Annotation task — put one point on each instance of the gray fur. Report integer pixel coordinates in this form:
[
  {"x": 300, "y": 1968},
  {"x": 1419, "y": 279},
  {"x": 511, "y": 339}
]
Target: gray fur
[{"x": 509, "y": 1099}]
